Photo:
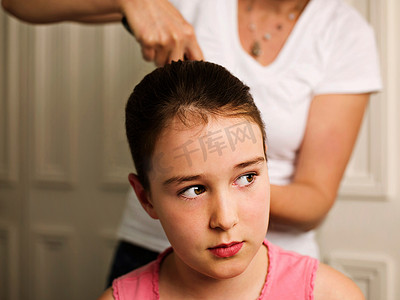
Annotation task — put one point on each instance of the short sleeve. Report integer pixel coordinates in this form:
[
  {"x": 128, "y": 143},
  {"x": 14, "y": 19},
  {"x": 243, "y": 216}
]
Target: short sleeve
[{"x": 351, "y": 63}]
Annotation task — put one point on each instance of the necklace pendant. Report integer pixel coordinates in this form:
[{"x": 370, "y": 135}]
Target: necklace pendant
[
  {"x": 252, "y": 27},
  {"x": 256, "y": 49},
  {"x": 267, "y": 36}
]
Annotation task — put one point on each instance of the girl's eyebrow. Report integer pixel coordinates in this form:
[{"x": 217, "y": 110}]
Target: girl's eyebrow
[
  {"x": 256, "y": 161},
  {"x": 180, "y": 179}
]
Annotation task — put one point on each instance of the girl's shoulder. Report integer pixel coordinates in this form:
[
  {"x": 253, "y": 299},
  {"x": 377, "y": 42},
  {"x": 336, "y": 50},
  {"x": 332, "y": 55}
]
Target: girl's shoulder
[
  {"x": 142, "y": 283},
  {"x": 290, "y": 275},
  {"x": 330, "y": 284},
  {"x": 307, "y": 276},
  {"x": 138, "y": 284},
  {"x": 107, "y": 295}
]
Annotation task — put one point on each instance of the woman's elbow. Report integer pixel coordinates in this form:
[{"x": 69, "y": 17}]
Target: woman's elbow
[
  {"x": 311, "y": 224},
  {"x": 315, "y": 219}
]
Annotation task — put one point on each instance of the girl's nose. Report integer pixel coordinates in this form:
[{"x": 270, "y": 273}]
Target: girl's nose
[{"x": 223, "y": 213}]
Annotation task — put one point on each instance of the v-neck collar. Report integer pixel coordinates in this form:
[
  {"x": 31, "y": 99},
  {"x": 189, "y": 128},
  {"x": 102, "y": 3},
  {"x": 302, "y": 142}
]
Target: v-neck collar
[{"x": 286, "y": 50}]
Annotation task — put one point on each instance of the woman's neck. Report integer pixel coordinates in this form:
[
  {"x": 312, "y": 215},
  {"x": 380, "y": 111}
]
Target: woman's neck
[
  {"x": 265, "y": 25},
  {"x": 278, "y": 7},
  {"x": 178, "y": 281}
]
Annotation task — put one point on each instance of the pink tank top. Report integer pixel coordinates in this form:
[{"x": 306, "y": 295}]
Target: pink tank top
[{"x": 290, "y": 276}]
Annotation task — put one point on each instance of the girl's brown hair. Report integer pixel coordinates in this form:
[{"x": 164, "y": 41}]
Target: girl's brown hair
[{"x": 192, "y": 91}]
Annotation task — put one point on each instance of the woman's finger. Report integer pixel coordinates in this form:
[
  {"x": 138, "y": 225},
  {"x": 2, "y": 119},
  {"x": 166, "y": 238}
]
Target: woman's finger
[
  {"x": 161, "y": 30},
  {"x": 148, "y": 53}
]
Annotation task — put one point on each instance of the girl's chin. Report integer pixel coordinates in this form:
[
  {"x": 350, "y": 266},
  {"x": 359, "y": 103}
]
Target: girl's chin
[{"x": 227, "y": 270}]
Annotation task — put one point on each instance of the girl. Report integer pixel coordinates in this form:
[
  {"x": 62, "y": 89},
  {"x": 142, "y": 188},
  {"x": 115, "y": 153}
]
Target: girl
[{"x": 198, "y": 144}]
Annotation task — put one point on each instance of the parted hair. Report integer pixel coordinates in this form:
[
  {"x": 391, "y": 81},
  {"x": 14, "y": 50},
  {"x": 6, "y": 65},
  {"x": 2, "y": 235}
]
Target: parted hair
[{"x": 193, "y": 92}]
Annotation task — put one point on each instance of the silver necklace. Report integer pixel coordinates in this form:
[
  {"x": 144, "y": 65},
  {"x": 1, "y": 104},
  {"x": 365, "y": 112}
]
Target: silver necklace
[{"x": 255, "y": 48}]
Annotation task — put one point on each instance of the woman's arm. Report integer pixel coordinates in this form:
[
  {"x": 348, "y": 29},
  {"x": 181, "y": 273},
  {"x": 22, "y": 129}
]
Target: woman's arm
[
  {"x": 332, "y": 128},
  {"x": 163, "y": 33},
  {"x": 48, "y": 11}
]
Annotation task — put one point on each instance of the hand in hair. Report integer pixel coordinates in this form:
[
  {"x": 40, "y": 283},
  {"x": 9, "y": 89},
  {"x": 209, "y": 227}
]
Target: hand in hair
[{"x": 163, "y": 33}]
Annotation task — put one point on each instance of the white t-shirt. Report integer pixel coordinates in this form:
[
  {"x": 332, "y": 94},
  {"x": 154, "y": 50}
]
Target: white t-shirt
[{"x": 331, "y": 50}]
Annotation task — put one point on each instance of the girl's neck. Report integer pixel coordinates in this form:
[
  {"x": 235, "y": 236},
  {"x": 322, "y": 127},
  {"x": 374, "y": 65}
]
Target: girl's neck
[{"x": 179, "y": 281}]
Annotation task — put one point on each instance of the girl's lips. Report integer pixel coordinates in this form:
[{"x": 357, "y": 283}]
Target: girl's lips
[{"x": 226, "y": 250}]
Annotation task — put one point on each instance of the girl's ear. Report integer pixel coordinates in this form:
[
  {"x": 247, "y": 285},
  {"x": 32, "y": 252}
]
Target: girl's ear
[{"x": 142, "y": 195}]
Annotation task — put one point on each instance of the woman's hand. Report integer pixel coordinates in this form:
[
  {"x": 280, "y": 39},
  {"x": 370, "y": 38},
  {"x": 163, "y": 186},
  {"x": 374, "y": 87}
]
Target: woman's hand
[{"x": 164, "y": 35}]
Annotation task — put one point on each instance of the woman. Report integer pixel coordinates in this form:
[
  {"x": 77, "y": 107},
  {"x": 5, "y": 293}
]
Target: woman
[{"x": 311, "y": 66}]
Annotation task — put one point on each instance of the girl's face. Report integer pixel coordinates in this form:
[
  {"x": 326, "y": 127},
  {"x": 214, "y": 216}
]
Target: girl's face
[{"x": 209, "y": 187}]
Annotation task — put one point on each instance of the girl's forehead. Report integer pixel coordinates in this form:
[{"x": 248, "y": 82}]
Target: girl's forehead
[
  {"x": 199, "y": 127},
  {"x": 211, "y": 149},
  {"x": 219, "y": 136}
]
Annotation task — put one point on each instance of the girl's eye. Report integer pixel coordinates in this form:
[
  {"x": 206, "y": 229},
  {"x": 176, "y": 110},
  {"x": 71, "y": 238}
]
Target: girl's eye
[
  {"x": 245, "y": 180},
  {"x": 193, "y": 191}
]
